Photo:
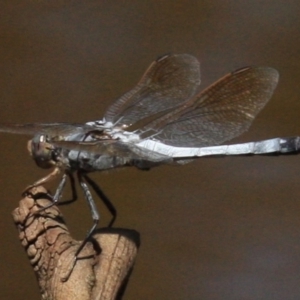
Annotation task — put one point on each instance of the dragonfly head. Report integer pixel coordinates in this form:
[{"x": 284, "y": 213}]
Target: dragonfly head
[{"x": 42, "y": 151}]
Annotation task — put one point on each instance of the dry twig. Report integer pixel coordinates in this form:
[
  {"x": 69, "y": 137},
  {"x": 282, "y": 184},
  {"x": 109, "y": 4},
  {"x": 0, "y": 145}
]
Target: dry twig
[{"x": 105, "y": 264}]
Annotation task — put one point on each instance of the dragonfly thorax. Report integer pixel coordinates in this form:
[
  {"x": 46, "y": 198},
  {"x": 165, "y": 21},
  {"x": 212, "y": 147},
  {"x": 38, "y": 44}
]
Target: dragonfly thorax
[
  {"x": 43, "y": 152},
  {"x": 124, "y": 136}
]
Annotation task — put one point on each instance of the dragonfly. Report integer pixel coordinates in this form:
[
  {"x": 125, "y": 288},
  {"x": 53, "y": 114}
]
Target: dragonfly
[{"x": 162, "y": 120}]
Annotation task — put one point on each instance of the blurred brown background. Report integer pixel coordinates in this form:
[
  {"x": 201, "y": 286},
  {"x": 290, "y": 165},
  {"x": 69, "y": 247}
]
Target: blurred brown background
[{"x": 219, "y": 228}]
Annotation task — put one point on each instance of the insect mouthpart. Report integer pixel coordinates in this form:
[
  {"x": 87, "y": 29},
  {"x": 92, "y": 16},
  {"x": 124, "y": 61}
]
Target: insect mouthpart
[{"x": 43, "y": 153}]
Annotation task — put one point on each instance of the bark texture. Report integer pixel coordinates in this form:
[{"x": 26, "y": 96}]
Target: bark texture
[{"x": 104, "y": 265}]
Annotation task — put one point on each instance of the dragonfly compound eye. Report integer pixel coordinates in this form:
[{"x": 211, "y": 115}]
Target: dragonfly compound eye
[{"x": 41, "y": 151}]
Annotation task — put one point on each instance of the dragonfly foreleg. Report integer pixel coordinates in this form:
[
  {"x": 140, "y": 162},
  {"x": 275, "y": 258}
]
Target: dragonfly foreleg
[
  {"x": 57, "y": 195},
  {"x": 43, "y": 180}
]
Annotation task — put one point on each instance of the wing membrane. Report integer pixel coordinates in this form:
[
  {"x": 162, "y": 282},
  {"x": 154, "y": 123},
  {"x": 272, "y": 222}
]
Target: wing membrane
[
  {"x": 221, "y": 112},
  {"x": 168, "y": 82},
  {"x": 51, "y": 129}
]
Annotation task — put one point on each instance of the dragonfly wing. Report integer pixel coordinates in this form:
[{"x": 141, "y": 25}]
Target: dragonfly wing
[
  {"x": 51, "y": 129},
  {"x": 168, "y": 81},
  {"x": 221, "y": 112}
]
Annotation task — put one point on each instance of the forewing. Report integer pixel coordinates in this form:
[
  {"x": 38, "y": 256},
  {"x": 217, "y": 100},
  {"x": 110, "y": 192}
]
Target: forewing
[
  {"x": 167, "y": 82},
  {"x": 221, "y": 112},
  {"x": 51, "y": 129}
]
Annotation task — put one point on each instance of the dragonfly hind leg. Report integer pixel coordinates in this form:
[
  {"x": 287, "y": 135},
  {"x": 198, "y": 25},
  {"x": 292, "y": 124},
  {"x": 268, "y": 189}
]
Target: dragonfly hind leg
[
  {"x": 103, "y": 197},
  {"x": 94, "y": 211},
  {"x": 95, "y": 217}
]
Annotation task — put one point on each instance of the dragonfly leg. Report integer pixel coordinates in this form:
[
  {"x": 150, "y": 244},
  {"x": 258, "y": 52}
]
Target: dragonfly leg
[
  {"x": 59, "y": 190},
  {"x": 56, "y": 197},
  {"x": 103, "y": 197},
  {"x": 95, "y": 216},
  {"x": 43, "y": 180},
  {"x": 93, "y": 208},
  {"x": 73, "y": 189}
]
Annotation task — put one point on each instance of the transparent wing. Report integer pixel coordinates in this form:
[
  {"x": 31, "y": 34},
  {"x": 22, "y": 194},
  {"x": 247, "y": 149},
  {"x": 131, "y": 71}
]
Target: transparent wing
[
  {"x": 168, "y": 81},
  {"x": 51, "y": 129},
  {"x": 221, "y": 112}
]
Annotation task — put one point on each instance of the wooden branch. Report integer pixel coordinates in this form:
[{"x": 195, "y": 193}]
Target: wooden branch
[{"x": 104, "y": 265}]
